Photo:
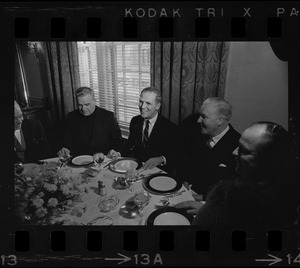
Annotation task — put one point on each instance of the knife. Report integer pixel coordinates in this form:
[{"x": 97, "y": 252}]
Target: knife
[{"x": 175, "y": 194}]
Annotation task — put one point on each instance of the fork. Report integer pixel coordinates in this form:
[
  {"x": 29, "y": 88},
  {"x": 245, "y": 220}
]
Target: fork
[
  {"x": 175, "y": 194},
  {"x": 165, "y": 204}
]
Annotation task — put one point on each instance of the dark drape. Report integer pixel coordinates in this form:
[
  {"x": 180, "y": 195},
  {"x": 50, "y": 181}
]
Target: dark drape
[
  {"x": 19, "y": 95},
  {"x": 187, "y": 73},
  {"x": 62, "y": 71}
]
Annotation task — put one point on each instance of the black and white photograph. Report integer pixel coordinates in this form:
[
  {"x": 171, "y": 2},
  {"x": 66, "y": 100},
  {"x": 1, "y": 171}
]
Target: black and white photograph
[
  {"x": 150, "y": 133},
  {"x": 153, "y": 133}
]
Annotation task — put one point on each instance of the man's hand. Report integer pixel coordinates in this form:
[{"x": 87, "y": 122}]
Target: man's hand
[
  {"x": 113, "y": 154},
  {"x": 193, "y": 205},
  {"x": 197, "y": 197},
  {"x": 187, "y": 185},
  {"x": 153, "y": 162},
  {"x": 63, "y": 152}
]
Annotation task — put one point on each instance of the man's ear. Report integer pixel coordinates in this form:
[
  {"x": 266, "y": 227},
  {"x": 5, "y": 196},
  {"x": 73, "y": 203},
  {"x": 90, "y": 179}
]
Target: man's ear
[
  {"x": 220, "y": 121},
  {"x": 158, "y": 106}
]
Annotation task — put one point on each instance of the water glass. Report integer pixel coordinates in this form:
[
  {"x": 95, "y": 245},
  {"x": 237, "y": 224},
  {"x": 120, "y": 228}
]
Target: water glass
[
  {"x": 98, "y": 159},
  {"x": 141, "y": 199},
  {"x": 63, "y": 159},
  {"x": 19, "y": 168},
  {"x": 130, "y": 177}
]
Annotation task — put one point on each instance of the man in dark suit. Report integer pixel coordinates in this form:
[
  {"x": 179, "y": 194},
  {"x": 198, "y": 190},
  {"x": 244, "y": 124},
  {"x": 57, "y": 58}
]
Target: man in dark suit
[
  {"x": 90, "y": 129},
  {"x": 265, "y": 193},
  {"x": 207, "y": 147},
  {"x": 30, "y": 141},
  {"x": 153, "y": 138}
]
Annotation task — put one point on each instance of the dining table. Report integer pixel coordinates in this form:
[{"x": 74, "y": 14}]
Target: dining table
[{"x": 91, "y": 198}]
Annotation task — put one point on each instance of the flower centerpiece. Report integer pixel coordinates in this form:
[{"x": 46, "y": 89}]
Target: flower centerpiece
[{"x": 44, "y": 192}]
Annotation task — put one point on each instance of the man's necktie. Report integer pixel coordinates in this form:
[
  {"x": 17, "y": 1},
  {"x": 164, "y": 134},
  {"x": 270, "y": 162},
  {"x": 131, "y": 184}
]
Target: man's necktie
[
  {"x": 146, "y": 133},
  {"x": 210, "y": 143}
]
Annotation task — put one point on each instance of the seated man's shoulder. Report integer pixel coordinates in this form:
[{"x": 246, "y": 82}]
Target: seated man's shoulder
[
  {"x": 32, "y": 123},
  {"x": 72, "y": 114},
  {"x": 167, "y": 123},
  {"x": 136, "y": 119},
  {"x": 104, "y": 112},
  {"x": 234, "y": 132}
]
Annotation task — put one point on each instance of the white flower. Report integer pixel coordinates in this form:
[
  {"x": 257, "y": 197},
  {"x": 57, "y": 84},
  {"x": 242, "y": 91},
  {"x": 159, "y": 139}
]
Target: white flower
[
  {"x": 65, "y": 189},
  {"x": 41, "y": 212},
  {"x": 50, "y": 187},
  {"x": 38, "y": 202},
  {"x": 52, "y": 202},
  {"x": 30, "y": 190},
  {"x": 40, "y": 194}
]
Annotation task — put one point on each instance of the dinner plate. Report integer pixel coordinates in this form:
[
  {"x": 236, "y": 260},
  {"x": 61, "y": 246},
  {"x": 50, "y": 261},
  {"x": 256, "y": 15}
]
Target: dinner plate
[
  {"x": 161, "y": 184},
  {"x": 169, "y": 216},
  {"x": 82, "y": 160},
  {"x": 121, "y": 165}
]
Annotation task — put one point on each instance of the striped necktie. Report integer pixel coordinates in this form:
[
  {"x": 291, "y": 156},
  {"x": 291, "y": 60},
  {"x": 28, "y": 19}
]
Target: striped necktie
[{"x": 146, "y": 133}]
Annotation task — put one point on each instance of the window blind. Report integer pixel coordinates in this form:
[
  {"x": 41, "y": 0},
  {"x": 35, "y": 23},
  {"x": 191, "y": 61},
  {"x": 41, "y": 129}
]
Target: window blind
[{"x": 117, "y": 72}]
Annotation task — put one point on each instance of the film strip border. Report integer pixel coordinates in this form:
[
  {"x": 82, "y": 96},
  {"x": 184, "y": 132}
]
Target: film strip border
[
  {"x": 130, "y": 28},
  {"x": 168, "y": 246},
  {"x": 153, "y": 21},
  {"x": 130, "y": 21}
]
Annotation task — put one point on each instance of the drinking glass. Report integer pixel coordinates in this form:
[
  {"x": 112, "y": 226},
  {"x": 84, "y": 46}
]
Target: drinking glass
[
  {"x": 130, "y": 177},
  {"x": 19, "y": 168},
  {"x": 141, "y": 199},
  {"x": 98, "y": 159},
  {"x": 63, "y": 159}
]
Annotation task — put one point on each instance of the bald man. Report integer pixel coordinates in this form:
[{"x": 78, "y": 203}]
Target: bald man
[{"x": 266, "y": 192}]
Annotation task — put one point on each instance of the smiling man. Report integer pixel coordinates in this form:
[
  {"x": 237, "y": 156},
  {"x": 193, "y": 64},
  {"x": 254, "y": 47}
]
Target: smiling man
[
  {"x": 153, "y": 139},
  {"x": 207, "y": 150},
  {"x": 90, "y": 129}
]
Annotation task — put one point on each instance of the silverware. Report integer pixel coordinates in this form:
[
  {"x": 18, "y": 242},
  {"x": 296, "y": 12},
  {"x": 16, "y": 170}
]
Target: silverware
[
  {"x": 175, "y": 194},
  {"x": 167, "y": 204},
  {"x": 142, "y": 177}
]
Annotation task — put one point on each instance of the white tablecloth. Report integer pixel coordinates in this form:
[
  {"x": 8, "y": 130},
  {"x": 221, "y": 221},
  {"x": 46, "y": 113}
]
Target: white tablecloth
[{"x": 91, "y": 199}]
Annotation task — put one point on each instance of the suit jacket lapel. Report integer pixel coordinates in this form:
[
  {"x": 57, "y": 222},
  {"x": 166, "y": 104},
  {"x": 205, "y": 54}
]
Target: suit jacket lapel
[
  {"x": 139, "y": 130},
  {"x": 222, "y": 141}
]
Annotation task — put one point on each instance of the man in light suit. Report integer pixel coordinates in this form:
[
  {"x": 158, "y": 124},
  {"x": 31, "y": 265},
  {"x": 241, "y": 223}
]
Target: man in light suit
[
  {"x": 207, "y": 147},
  {"x": 153, "y": 139},
  {"x": 90, "y": 129}
]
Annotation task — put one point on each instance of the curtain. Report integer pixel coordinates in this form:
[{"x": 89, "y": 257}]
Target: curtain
[
  {"x": 19, "y": 94},
  {"x": 187, "y": 73},
  {"x": 62, "y": 71}
]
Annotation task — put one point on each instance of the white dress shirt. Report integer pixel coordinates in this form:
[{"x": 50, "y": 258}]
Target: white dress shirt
[
  {"x": 152, "y": 122},
  {"x": 214, "y": 140}
]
